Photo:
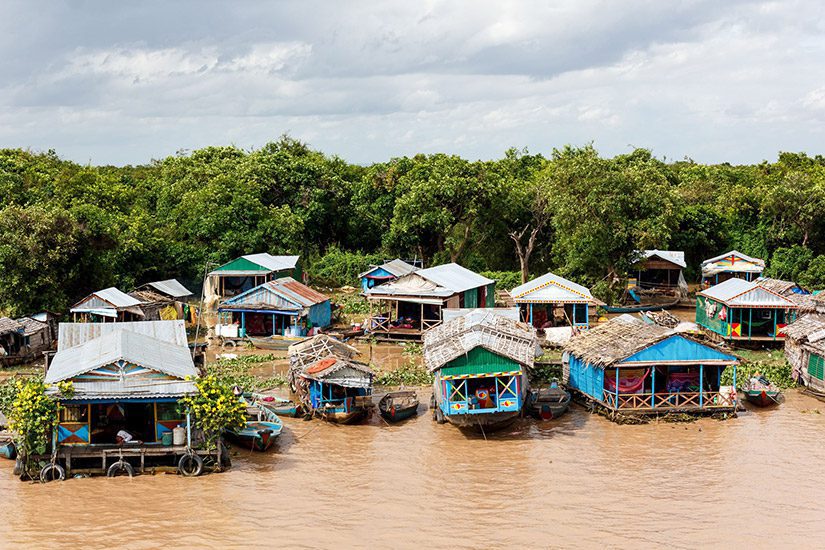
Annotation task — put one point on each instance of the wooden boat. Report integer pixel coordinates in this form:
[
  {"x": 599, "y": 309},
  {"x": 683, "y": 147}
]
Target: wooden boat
[
  {"x": 762, "y": 393},
  {"x": 274, "y": 343},
  {"x": 548, "y": 403},
  {"x": 640, "y": 308},
  {"x": 277, "y": 405},
  {"x": 399, "y": 405},
  {"x": 257, "y": 435},
  {"x": 342, "y": 415},
  {"x": 8, "y": 450}
]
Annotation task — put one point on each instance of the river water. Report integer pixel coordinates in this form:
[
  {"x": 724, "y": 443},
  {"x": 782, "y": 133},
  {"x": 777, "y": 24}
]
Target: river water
[{"x": 752, "y": 481}]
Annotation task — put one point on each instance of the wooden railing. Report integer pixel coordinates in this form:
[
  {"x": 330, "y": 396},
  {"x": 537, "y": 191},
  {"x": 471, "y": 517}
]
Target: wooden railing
[{"x": 666, "y": 401}]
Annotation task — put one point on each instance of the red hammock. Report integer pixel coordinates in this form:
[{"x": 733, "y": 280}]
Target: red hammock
[{"x": 627, "y": 385}]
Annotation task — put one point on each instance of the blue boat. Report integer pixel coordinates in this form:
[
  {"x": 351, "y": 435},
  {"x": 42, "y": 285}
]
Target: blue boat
[
  {"x": 257, "y": 435},
  {"x": 8, "y": 450},
  {"x": 277, "y": 405}
]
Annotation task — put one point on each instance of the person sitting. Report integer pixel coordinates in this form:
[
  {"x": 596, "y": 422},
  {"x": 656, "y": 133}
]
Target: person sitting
[{"x": 125, "y": 438}]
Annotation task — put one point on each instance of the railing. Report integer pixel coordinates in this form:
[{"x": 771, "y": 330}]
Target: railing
[
  {"x": 668, "y": 401},
  {"x": 382, "y": 323}
]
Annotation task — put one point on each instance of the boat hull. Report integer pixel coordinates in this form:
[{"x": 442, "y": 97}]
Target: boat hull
[
  {"x": 273, "y": 343},
  {"x": 343, "y": 417},
  {"x": 764, "y": 398},
  {"x": 256, "y": 436},
  {"x": 8, "y": 450},
  {"x": 486, "y": 422},
  {"x": 397, "y": 414},
  {"x": 398, "y": 406}
]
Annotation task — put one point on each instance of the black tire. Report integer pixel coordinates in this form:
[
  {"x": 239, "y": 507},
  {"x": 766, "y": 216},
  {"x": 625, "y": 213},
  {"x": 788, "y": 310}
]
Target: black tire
[
  {"x": 226, "y": 458},
  {"x": 229, "y": 344},
  {"x": 120, "y": 467},
  {"x": 19, "y": 466},
  {"x": 190, "y": 465},
  {"x": 439, "y": 416},
  {"x": 52, "y": 472}
]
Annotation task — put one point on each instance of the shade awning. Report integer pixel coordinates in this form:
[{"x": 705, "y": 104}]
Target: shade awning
[{"x": 425, "y": 301}]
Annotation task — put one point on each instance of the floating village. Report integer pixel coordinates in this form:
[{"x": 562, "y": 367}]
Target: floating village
[{"x": 126, "y": 373}]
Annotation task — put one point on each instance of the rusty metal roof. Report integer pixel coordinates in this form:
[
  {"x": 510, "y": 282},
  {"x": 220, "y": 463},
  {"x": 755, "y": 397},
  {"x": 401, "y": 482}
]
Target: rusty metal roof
[{"x": 278, "y": 294}]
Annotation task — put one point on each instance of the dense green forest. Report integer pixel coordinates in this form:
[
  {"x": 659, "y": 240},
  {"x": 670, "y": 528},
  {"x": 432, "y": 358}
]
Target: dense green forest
[{"x": 68, "y": 229}]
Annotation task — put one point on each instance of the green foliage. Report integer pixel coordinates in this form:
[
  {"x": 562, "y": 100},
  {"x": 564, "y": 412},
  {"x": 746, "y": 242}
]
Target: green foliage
[
  {"x": 412, "y": 349},
  {"x": 410, "y": 373},
  {"x": 8, "y": 393},
  {"x": 32, "y": 416},
  {"x": 338, "y": 267},
  {"x": 237, "y": 372},
  {"x": 353, "y": 304},
  {"x": 505, "y": 280},
  {"x": 215, "y": 408},
  {"x": 771, "y": 365}
]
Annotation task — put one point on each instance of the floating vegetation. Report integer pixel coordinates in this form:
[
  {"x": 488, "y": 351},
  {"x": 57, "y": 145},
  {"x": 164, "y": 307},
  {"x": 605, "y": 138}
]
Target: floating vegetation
[{"x": 409, "y": 374}]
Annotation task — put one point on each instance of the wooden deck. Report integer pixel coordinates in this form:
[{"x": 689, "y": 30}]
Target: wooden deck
[
  {"x": 136, "y": 455},
  {"x": 680, "y": 402}
]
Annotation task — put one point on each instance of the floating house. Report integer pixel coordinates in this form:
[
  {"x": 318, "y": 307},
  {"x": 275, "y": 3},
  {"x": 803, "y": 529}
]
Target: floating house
[
  {"x": 37, "y": 335},
  {"x": 412, "y": 303},
  {"x": 247, "y": 272},
  {"x": 282, "y": 307},
  {"x": 743, "y": 311},
  {"x": 109, "y": 304},
  {"x": 165, "y": 300},
  {"x": 126, "y": 377},
  {"x": 480, "y": 363},
  {"x": 330, "y": 382},
  {"x": 802, "y": 297},
  {"x": 628, "y": 366},
  {"x": 805, "y": 351},
  {"x": 389, "y": 271},
  {"x": 731, "y": 265},
  {"x": 12, "y": 342},
  {"x": 550, "y": 301},
  {"x": 660, "y": 270}
]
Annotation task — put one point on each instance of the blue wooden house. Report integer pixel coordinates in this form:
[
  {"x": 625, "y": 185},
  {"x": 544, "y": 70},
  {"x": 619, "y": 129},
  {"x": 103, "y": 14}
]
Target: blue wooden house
[
  {"x": 551, "y": 300},
  {"x": 282, "y": 307},
  {"x": 630, "y": 367},
  {"x": 744, "y": 311},
  {"x": 380, "y": 274},
  {"x": 480, "y": 362}
]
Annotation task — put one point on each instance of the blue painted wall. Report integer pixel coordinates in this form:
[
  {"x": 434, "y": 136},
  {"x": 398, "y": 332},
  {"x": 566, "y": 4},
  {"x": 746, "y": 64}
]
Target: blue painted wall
[
  {"x": 678, "y": 348},
  {"x": 320, "y": 315},
  {"x": 367, "y": 282},
  {"x": 586, "y": 378}
]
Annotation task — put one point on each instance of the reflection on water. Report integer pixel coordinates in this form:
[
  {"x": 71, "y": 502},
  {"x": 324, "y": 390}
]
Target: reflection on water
[{"x": 581, "y": 480}]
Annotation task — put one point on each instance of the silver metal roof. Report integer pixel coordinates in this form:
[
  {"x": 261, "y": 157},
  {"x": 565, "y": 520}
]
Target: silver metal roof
[
  {"x": 112, "y": 298},
  {"x": 448, "y": 314},
  {"x": 719, "y": 264},
  {"x": 396, "y": 267},
  {"x": 127, "y": 389},
  {"x": 126, "y": 345},
  {"x": 741, "y": 293},
  {"x": 550, "y": 288},
  {"x": 170, "y": 287},
  {"x": 454, "y": 277},
  {"x": 74, "y": 334},
  {"x": 673, "y": 256}
]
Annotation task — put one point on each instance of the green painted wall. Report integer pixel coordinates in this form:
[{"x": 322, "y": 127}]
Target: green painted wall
[{"x": 479, "y": 361}]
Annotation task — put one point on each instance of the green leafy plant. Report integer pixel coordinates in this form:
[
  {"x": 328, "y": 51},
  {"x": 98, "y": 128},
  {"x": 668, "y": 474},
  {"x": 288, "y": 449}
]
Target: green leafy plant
[
  {"x": 236, "y": 372},
  {"x": 32, "y": 417},
  {"x": 215, "y": 409},
  {"x": 409, "y": 374}
]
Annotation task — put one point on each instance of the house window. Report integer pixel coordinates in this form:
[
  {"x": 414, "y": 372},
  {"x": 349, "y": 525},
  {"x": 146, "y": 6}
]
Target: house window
[
  {"x": 816, "y": 366},
  {"x": 74, "y": 413}
]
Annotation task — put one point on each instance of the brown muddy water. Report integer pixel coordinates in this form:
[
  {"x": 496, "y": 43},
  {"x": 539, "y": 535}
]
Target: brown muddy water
[{"x": 753, "y": 481}]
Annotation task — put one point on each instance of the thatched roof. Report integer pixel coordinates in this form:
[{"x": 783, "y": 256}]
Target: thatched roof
[
  {"x": 479, "y": 328},
  {"x": 808, "y": 330},
  {"x": 308, "y": 351},
  {"x": 615, "y": 340},
  {"x": 9, "y": 325},
  {"x": 663, "y": 318},
  {"x": 323, "y": 357}
]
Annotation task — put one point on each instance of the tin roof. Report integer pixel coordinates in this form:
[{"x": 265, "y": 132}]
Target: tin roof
[
  {"x": 673, "y": 256},
  {"x": 169, "y": 287},
  {"x": 122, "y": 345},
  {"x": 550, "y": 288},
  {"x": 108, "y": 298},
  {"x": 74, "y": 334},
  {"x": 733, "y": 261},
  {"x": 441, "y": 281},
  {"x": 261, "y": 262},
  {"x": 396, "y": 267},
  {"x": 741, "y": 293},
  {"x": 281, "y": 294}
]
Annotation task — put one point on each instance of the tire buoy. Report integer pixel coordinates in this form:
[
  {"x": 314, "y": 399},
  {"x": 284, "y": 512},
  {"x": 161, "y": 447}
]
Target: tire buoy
[
  {"x": 52, "y": 472},
  {"x": 120, "y": 467},
  {"x": 190, "y": 465},
  {"x": 229, "y": 344}
]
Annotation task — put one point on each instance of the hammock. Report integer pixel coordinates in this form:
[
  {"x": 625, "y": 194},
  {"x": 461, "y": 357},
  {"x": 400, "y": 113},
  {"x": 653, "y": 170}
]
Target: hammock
[
  {"x": 683, "y": 381},
  {"x": 631, "y": 384}
]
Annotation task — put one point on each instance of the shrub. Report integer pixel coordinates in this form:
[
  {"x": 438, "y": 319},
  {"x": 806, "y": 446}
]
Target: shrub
[
  {"x": 215, "y": 408},
  {"x": 235, "y": 372},
  {"x": 33, "y": 415},
  {"x": 339, "y": 267},
  {"x": 505, "y": 280},
  {"x": 409, "y": 374}
]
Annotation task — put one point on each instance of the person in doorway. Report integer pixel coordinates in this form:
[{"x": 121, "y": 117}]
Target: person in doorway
[{"x": 125, "y": 438}]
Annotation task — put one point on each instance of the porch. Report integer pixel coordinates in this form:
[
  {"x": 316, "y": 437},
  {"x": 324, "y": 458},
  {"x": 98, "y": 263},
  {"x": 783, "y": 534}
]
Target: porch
[
  {"x": 403, "y": 319},
  {"x": 482, "y": 394}
]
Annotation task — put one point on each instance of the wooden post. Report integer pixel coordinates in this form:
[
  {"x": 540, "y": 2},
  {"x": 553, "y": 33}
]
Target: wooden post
[
  {"x": 775, "y": 313},
  {"x": 750, "y": 323},
  {"x": 653, "y": 387},
  {"x": 617, "y": 388},
  {"x": 531, "y": 315},
  {"x": 701, "y": 385},
  {"x": 273, "y": 325},
  {"x": 188, "y": 430},
  {"x": 734, "y": 384},
  {"x": 243, "y": 323}
]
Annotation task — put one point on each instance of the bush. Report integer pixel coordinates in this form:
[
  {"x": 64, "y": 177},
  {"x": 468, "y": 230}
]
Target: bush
[
  {"x": 215, "y": 408},
  {"x": 603, "y": 292},
  {"x": 235, "y": 372},
  {"x": 505, "y": 280},
  {"x": 339, "y": 267},
  {"x": 409, "y": 374},
  {"x": 777, "y": 372}
]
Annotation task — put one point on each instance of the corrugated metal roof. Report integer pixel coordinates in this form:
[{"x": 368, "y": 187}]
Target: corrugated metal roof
[
  {"x": 448, "y": 314},
  {"x": 550, "y": 288},
  {"x": 170, "y": 287},
  {"x": 128, "y": 389},
  {"x": 274, "y": 263},
  {"x": 75, "y": 334},
  {"x": 273, "y": 293},
  {"x": 741, "y": 293},
  {"x": 396, "y": 267},
  {"x": 112, "y": 296},
  {"x": 454, "y": 277},
  {"x": 122, "y": 344},
  {"x": 736, "y": 254},
  {"x": 412, "y": 284},
  {"x": 673, "y": 256}
]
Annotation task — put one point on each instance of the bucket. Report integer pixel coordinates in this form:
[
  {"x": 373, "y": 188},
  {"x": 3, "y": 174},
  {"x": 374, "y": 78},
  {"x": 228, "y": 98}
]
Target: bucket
[
  {"x": 166, "y": 439},
  {"x": 179, "y": 436}
]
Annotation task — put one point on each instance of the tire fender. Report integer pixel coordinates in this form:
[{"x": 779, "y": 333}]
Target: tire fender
[
  {"x": 190, "y": 465},
  {"x": 52, "y": 472},
  {"x": 121, "y": 466}
]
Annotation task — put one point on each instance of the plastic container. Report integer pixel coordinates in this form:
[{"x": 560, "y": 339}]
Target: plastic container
[
  {"x": 179, "y": 436},
  {"x": 166, "y": 439}
]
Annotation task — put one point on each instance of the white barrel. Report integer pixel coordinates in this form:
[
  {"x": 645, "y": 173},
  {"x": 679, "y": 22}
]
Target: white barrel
[{"x": 179, "y": 436}]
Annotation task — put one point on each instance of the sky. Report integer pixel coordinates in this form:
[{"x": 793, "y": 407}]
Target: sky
[{"x": 127, "y": 82}]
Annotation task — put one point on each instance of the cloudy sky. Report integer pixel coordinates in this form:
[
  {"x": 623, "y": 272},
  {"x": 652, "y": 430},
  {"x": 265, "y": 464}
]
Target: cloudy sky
[{"x": 126, "y": 82}]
